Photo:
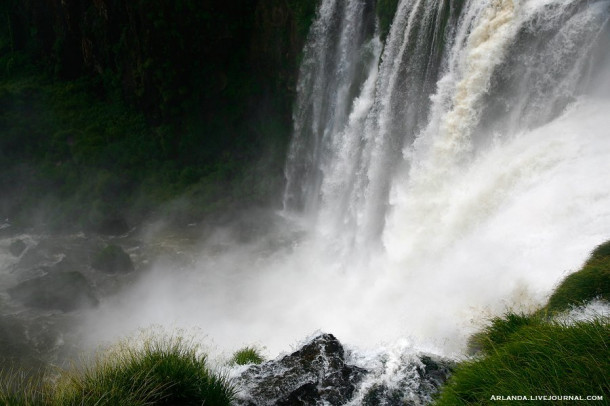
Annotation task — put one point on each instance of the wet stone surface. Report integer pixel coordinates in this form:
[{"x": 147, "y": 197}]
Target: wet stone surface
[
  {"x": 320, "y": 374},
  {"x": 315, "y": 374}
]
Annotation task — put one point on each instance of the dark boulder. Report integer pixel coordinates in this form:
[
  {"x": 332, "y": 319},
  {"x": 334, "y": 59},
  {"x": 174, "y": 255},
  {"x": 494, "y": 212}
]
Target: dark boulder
[
  {"x": 65, "y": 291},
  {"x": 315, "y": 374},
  {"x": 112, "y": 259},
  {"x": 17, "y": 247}
]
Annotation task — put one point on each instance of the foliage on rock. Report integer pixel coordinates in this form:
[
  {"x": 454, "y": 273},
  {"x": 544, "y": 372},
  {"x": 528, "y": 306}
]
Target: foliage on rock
[{"x": 246, "y": 356}]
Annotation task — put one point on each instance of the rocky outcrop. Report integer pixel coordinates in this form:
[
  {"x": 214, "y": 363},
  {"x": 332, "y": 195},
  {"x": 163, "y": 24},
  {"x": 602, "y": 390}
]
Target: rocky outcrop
[
  {"x": 319, "y": 373},
  {"x": 315, "y": 374}
]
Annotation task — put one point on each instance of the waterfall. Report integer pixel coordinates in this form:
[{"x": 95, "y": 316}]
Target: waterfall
[
  {"x": 374, "y": 167},
  {"x": 449, "y": 171},
  {"x": 333, "y": 67}
]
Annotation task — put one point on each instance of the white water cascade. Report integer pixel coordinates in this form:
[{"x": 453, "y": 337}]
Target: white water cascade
[
  {"x": 471, "y": 171},
  {"x": 453, "y": 80},
  {"x": 452, "y": 170}
]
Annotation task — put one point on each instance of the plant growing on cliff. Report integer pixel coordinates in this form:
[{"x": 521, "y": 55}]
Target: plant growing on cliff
[{"x": 247, "y": 355}]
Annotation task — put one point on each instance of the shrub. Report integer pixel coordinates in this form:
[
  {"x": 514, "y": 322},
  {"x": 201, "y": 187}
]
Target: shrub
[{"x": 247, "y": 355}]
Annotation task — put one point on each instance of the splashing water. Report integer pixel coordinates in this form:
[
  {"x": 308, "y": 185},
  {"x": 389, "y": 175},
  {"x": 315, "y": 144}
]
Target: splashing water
[{"x": 455, "y": 169}]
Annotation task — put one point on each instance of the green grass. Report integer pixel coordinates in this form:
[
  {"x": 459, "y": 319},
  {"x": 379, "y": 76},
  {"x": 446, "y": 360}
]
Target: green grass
[
  {"x": 159, "y": 372},
  {"x": 591, "y": 282},
  {"x": 533, "y": 355},
  {"x": 247, "y": 355},
  {"x": 19, "y": 389},
  {"x": 539, "y": 358},
  {"x": 500, "y": 331}
]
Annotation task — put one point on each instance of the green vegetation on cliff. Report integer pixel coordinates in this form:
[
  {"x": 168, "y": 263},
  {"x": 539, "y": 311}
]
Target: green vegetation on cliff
[
  {"x": 385, "y": 13},
  {"x": 113, "y": 109},
  {"x": 539, "y": 355},
  {"x": 247, "y": 355}
]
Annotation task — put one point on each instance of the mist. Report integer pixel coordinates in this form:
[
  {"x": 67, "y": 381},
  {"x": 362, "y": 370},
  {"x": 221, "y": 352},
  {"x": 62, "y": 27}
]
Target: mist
[
  {"x": 522, "y": 216},
  {"x": 424, "y": 194},
  {"x": 482, "y": 211}
]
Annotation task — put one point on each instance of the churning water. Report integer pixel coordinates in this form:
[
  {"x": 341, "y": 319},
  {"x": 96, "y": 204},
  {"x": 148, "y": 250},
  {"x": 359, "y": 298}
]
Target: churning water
[{"x": 452, "y": 170}]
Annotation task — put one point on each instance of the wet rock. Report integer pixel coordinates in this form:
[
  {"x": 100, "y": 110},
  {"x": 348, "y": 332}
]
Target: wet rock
[
  {"x": 112, "y": 259},
  {"x": 65, "y": 291},
  {"x": 434, "y": 372},
  {"x": 413, "y": 383},
  {"x": 17, "y": 247},
  {"x": 315, "y": 374}
]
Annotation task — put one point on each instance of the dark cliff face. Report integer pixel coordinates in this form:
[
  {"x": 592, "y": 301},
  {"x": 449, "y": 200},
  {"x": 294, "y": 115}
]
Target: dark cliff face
[
  {"x": 165, "y": 56},
  {"x": 208, "y": 86}
]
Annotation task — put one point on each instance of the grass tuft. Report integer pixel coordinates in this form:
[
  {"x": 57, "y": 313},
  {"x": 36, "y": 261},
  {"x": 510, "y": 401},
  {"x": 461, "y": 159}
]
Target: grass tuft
[
  {"x": 20, "y": 389},
  {"x": 247, "y": 355},
  {"x": 500, "y": 331},
  {"x": 159, "y": 372}
]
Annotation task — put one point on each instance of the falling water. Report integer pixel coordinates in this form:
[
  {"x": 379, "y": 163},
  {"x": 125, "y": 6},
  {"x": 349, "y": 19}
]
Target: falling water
[
  {"x": 455, "y": 168},
  {"x": 454, "y": 79}
]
